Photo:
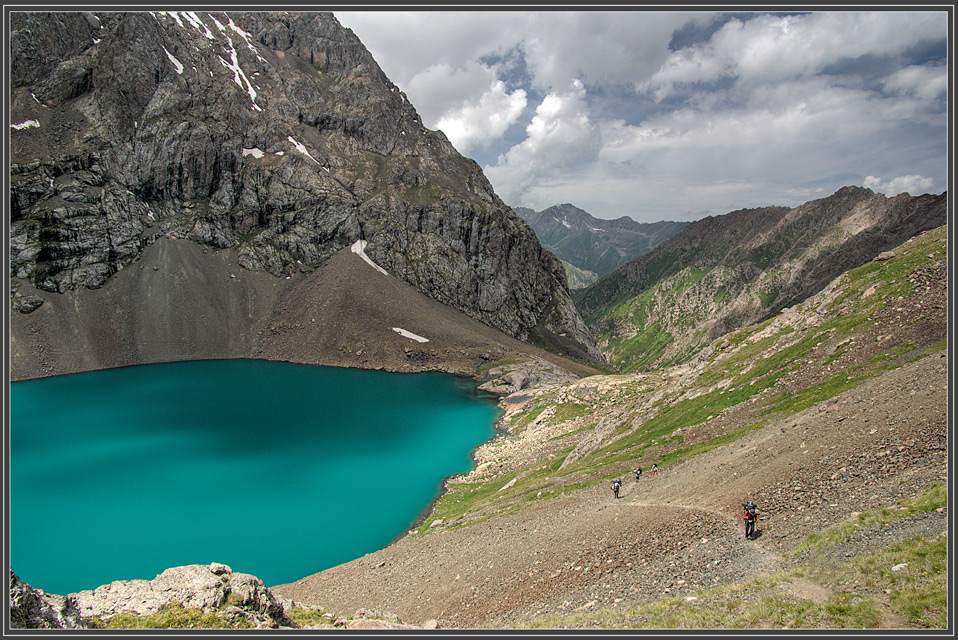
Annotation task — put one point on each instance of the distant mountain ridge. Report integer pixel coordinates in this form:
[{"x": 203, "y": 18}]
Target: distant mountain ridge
[
  {"x": 726, "y": 272},
  {"x": 593, "y": 244}
]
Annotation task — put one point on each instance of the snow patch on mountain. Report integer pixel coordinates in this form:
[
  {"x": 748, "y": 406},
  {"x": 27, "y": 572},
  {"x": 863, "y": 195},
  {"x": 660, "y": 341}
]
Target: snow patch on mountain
[
  {"x": 302, "y": 148},
  {"x": 411, "y": 336},
  {"x": 176, "y": 63},
  {"x": 359, "y": 247}
]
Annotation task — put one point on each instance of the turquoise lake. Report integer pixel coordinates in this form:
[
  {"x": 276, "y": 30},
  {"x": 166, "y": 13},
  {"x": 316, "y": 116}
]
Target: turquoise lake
[{"x": 276, "y": 469}]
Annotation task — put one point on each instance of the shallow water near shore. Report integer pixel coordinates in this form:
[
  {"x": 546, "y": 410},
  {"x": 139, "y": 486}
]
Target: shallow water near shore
[{"x": 276, "y": 469}]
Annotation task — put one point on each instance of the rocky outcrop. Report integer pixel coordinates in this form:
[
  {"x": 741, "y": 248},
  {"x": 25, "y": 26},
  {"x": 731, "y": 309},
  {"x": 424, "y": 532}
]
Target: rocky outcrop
[
  {"x": 510, "y": 377},
  {"x": 274, "y": 135},
  {"x": 32, "y": 608},
  {"x": 214, "y": 587},
  {"x": 239, "y": 599},
  {"x": 217, "y": 597},
  {"x": 726, "y": 272}
]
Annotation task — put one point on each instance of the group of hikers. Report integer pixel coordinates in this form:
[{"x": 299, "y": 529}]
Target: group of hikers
[
  {"x": 617, "y": 483},
  {"x": 750, "y": 515}
]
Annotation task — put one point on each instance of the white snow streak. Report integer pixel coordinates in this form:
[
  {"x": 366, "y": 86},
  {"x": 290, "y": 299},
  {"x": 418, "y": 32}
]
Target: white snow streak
[
  {"x": 176, "y": 63},
  {"x": 256, "y": 153},
  {"x": 196, "y": 22},
  {"x": 359, "y": 247},
  {"x": 219, "y": 25},
  {"x": 172, "y": 14},
  {"x": 249, "y": 40},
  {"x": 233, "y": 26},
  {"x": 239, "y": 77},
  {"x": 26, "y": 124},
  {"x": 302, "y": 149},
  {"x": 407, "y": 334}
]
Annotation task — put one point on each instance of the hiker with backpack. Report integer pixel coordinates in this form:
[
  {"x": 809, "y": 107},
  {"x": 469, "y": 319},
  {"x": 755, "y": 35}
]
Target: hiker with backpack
[
  {"x": 750, "y": 517},
  {"x": 638, "y": 473},
  {"x": 616, "y": 485},
  {"x": 655, "y": 469}
]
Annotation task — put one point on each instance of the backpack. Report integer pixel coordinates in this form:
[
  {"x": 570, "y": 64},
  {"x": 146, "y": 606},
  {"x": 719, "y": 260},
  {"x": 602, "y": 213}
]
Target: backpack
[{"x": 750, "y": 509}]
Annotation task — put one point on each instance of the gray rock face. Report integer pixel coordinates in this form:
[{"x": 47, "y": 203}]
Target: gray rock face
[
  {"x": 516, "y": 376},
  {"x": 32, "y": 608},
  {"x": 273, "y": 134}
]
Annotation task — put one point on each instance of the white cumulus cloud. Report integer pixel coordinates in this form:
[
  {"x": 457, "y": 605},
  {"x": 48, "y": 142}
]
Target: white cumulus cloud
[
  {"x": 442, "y": 87},
  {"x": 560, "y": 136},
  {"x": 481, "y": 124},
  {"x": 914, "y": 185},
  {"x": 775, "y": 49},
  {"x": 597, "y": 47},
  {"x": 927, "y": 83}
]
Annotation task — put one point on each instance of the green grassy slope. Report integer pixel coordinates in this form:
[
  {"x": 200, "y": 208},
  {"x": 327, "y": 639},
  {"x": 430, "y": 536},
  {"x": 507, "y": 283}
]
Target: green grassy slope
[
  {"x": 775, "y": 368},
  {"x": 726, "y": 272}
]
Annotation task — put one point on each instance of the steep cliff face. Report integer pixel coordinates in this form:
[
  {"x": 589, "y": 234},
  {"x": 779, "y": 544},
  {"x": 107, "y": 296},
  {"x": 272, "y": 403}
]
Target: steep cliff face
[
  {"x": 726, "y": 272},
  {"x": 275, "y": 136}
]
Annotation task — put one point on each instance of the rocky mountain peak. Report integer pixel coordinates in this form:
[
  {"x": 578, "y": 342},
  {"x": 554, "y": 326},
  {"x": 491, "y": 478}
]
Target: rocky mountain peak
[{"x": 274, "y": 135}]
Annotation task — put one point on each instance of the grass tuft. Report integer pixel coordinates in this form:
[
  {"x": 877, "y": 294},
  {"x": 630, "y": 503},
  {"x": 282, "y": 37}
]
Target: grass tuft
[
  {"x": 935, "y": 497},
  {"x": 175, "y": 616}
]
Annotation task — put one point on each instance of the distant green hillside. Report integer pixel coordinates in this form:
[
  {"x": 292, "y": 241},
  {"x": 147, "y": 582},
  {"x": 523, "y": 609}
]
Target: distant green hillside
[
  {"x": 578, "y": 278},
  {"x": 726, "y": 272}
]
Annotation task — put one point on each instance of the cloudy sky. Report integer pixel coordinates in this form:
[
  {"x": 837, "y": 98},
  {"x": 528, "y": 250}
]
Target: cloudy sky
[{"x": 675, "y": 115}]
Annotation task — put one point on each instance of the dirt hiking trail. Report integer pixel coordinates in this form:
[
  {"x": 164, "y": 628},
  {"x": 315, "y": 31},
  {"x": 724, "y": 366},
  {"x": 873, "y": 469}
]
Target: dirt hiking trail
[{"x": 669, "y": 536}]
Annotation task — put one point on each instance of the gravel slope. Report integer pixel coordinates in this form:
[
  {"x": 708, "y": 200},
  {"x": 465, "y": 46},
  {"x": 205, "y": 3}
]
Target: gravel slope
[
  {"x": 181, "y": 301},
  {"x": 673, "y": 534}
]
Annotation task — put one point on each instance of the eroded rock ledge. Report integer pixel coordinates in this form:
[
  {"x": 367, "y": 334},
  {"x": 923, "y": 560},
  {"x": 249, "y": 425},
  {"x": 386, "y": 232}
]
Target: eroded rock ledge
[{"x": 211, "y": 592}]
